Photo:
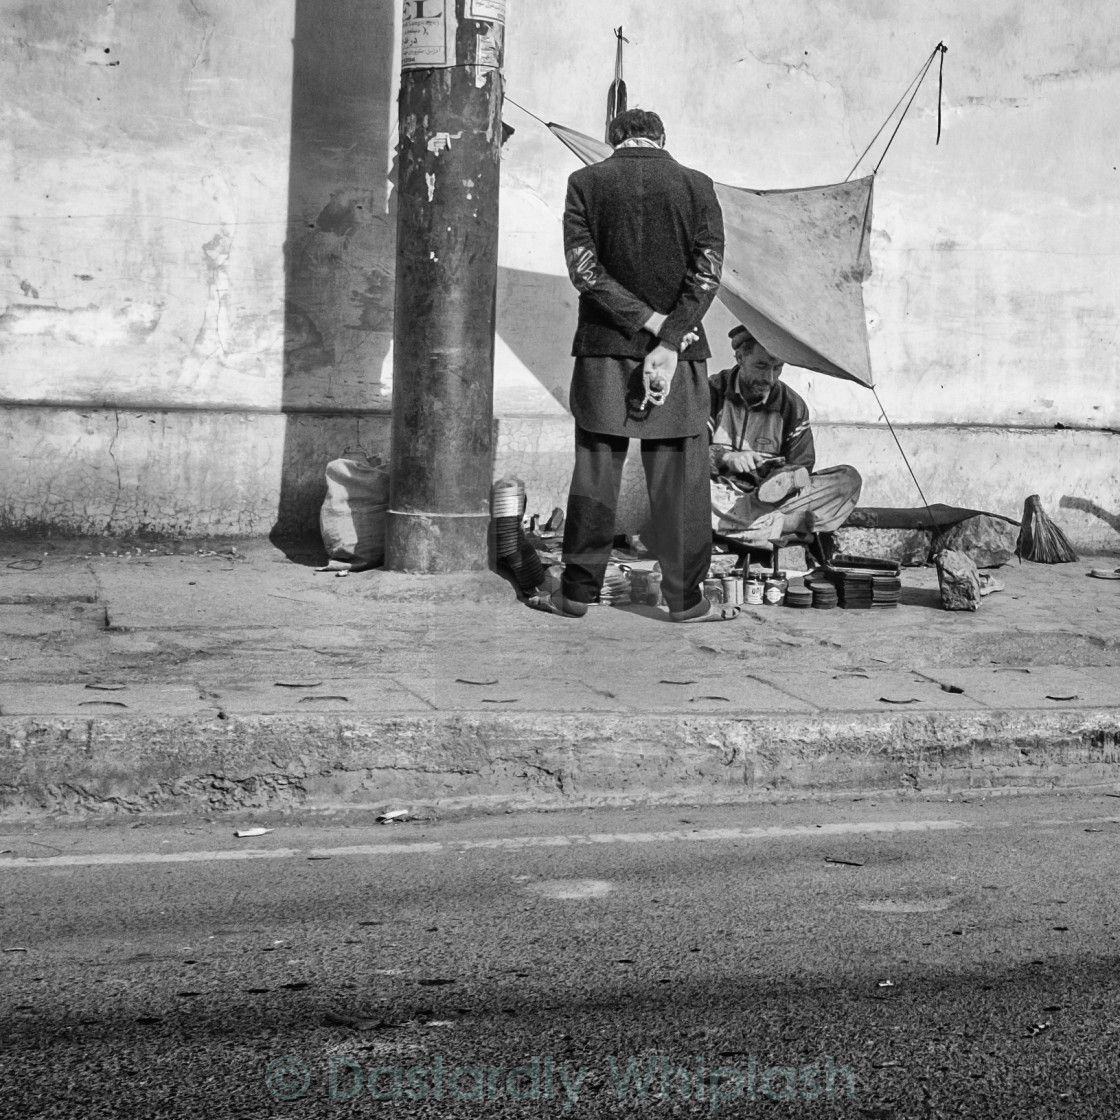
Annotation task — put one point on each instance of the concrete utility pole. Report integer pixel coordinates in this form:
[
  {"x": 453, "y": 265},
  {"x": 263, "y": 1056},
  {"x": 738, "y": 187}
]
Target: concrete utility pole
[{"x": 447, "y": 268}]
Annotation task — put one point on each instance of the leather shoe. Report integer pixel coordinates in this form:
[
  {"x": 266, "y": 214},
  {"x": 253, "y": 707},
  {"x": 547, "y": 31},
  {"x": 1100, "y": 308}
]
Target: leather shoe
[{"x": 783, "y": 483}]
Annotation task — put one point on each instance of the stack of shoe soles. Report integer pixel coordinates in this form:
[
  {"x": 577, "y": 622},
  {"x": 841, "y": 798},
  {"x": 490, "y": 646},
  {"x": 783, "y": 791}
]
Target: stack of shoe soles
[
  {"x": 616, "y": 586},
  {"x": 507, "y": 507},
  {"x": 823, "y": 592},
  {"x": 800, "y": 597},
  {"x": 885, "y": 592},
  {"x": 854, "y": 589},
  {"x": 863, "y": 583}
]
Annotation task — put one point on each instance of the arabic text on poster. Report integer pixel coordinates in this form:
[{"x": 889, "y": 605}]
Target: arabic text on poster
[{"x": 492, "y": 10}]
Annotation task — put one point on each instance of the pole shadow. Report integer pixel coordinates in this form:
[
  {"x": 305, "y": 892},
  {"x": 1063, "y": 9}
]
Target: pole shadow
[{"x": 339, "y": 256}]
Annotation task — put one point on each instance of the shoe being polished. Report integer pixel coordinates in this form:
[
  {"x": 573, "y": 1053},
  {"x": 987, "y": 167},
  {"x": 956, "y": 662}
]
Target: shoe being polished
[{"x": 782, "y": 484}]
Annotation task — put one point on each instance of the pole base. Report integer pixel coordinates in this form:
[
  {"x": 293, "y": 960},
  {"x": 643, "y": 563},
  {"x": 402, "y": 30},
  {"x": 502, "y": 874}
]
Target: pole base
[{"x": 436, "y": 542}]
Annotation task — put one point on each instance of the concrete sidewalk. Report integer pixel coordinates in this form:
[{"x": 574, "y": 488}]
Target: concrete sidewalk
[{"x": 217, "y": 677}]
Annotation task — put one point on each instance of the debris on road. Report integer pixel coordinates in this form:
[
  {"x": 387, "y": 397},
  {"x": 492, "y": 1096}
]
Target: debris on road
[
  {"x": 241, "y": 833},
  {"x": 844, "y": 862},
  {"x": 393, "y": 816}
]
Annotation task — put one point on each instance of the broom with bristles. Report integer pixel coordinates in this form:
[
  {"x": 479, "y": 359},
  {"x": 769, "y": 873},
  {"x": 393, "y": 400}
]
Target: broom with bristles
[{"x": 1040, "y": 539}]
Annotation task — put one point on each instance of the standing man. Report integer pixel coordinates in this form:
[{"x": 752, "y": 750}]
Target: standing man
[{"x": 643, "y": 239}]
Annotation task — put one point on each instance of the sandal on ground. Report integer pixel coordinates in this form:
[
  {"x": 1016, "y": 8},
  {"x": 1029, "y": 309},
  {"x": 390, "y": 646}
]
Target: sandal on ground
[
  {"x": 716, "y": 612},
  {"x": 988, "y": 584},
  {"x": 548, "y": 604},
  {"x": 1105, "y": 573}
]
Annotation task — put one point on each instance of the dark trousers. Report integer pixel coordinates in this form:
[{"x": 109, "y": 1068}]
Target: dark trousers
[{"x": 676, "y": 473}]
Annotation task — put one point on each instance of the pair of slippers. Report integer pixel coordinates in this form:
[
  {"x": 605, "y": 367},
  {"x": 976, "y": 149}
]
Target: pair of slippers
[
  {"x": 1105, "y": 573},
  {"x": 565, "y": 608}
]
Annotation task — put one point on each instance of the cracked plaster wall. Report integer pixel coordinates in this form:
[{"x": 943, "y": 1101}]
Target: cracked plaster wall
[{"x": 198, "y": 216}]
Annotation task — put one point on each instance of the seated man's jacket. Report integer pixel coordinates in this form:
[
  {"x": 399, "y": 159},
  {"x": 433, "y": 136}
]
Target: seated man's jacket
[{"x": 778, "y": 427}]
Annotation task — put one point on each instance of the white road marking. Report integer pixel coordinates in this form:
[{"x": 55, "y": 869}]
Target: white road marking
[
  {"x": 508, "y": 844},
  {"x": 521, "y": 843}
]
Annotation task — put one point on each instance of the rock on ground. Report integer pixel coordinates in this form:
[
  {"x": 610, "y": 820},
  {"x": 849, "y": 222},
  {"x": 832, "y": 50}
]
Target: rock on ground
[
  {"x": 959, "y": 580},
  {"x": 906, "y": 546},
  {"x": 989, "y": 541}
]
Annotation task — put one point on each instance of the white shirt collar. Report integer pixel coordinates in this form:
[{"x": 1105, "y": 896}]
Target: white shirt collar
[{"x": 638, "y": 142}]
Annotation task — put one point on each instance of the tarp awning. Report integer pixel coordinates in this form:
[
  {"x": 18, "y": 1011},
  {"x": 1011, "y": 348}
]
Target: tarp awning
[{"x": 794, "y": 266}]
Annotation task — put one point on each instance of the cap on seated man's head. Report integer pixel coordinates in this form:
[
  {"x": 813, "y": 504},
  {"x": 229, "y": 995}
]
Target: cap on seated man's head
[{"x": 740, "y": 336}]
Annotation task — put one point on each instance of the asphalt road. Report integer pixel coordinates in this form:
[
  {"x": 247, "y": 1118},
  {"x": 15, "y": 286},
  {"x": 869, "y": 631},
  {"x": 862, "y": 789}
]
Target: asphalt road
[{"x": 860, "y": 959}]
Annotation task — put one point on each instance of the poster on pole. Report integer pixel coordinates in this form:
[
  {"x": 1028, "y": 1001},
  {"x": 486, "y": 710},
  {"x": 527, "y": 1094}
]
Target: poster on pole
[
  {"x": 489, "y": 51},
  {"x": 427, "y": 34},
  {"x": 493, "y": 11}
]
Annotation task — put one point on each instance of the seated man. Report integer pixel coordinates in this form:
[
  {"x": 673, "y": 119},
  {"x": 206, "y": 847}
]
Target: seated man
[{"x": 762, "y": 455}]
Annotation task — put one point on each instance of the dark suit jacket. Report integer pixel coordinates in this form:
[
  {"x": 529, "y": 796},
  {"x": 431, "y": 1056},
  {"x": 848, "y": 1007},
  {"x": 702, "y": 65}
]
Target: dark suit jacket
[{"x": 642, "y": 233}]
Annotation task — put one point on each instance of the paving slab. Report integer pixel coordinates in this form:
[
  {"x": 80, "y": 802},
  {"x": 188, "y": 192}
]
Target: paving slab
[
  {"x": 1047, "y": 686},
  {"x": 368, "y": 695},
  {"x": 881, "y": 690},
  {"x": 163, "y": 700},
  {"x": 43, "y": 577}
]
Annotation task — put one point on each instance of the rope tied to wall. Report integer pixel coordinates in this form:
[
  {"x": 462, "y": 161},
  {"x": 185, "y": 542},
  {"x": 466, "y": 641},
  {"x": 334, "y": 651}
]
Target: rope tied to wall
[{"x": 915, "y": 84}]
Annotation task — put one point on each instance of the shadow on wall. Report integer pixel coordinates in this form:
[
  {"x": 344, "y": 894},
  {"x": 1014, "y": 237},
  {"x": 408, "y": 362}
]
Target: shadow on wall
[
  {"x": 1084, "y": 506},
  {"x": 339, "y": 249},
  {"x": 537, "y": 320}
]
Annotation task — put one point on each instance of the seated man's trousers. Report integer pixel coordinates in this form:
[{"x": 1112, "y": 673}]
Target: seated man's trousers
[{"x": 823, "y": 506}]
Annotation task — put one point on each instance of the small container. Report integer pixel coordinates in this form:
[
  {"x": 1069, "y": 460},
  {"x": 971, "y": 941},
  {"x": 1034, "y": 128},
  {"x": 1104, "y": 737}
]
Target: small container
[
  {"x": 752, "y": 591},
  {"x": 713, "y": 590},
  {"x": 732, "y": 589},
  {"x": 639, "y": 585},
  {"x": 774, "y": 590},
  {"x": 653, "y": 589}
]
